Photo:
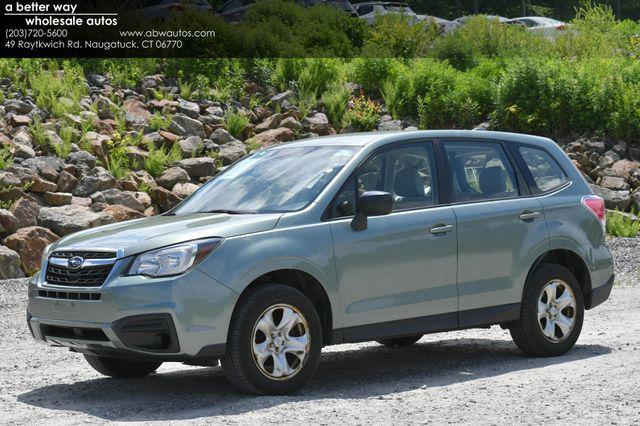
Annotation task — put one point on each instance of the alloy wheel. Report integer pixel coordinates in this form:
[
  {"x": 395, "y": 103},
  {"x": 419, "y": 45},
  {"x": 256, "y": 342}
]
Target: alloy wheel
[
  {"x": 556, "y": 311},
  {"x": 280, "y": 342}
]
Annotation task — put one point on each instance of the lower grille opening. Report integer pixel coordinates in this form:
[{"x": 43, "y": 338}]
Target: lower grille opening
[
  {"x": 66, "y": 295},
  {"x": 81, "y": 333},
  {"x": 154, "y": 332}
]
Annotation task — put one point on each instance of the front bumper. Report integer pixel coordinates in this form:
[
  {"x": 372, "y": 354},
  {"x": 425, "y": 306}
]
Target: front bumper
[{"x": 177, "y": 318}]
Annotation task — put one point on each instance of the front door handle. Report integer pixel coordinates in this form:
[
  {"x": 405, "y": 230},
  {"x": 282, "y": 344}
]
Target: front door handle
[
  {"x": 529, "y": 215},
  {"x": 440, "y": 229}
]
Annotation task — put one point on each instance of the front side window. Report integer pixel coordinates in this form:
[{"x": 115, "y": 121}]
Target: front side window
[
  {"x": 407, "y": 173},
  {"x": 364, "y": 10},
  {"x": 546, "y": 172},
  {"x": 271, "y": 181},
  {"x": 480, "y": 171}
]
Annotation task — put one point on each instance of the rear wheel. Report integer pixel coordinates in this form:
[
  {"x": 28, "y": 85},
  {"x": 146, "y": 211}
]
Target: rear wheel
[
  {"x": 400, "y": 341},
  {"x": 120, "y": 368},
  {"x": 274, "y": 342},
  {"x": 551, "y": 314}
]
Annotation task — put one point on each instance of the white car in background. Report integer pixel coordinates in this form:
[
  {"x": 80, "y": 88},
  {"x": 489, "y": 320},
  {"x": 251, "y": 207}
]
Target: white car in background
[
  {"x": 370, "y": 10},
  {"x": 540, "y": 25}
]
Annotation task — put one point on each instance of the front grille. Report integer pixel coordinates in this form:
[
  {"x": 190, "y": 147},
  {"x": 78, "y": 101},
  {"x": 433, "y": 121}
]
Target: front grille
[
  {"x": 68, "y": 295},
  {"x": 93, "y": 276},
  {"x": 84, "y": 254}
]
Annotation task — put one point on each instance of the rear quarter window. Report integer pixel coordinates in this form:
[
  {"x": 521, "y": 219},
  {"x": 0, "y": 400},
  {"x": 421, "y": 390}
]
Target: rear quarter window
[{"x": 546, "y": 172}]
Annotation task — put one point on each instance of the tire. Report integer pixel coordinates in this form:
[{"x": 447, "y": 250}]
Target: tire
[
  {"x": 250, "y": 362},
  {"x": 400, "y": 341},
  {"x": 122, "y": 369},
  {"x": 528, "y": 332}
]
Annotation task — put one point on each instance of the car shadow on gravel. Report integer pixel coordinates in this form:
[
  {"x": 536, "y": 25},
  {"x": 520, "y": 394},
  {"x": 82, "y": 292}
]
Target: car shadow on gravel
[{"x": 371, "y": 371}]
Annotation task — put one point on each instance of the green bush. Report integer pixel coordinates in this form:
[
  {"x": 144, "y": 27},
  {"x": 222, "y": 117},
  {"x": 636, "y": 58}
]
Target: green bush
[
  {"x": 622, "y": 225},
  {"x": 6, "y": 157},
  {"x": 236, "y": 123},
  {"x": 397, "y": 94},
  {"x": 335, "y": 103},
  {"x": 58, "y": 91},
  {"x": 393, "y": 36},
  {"x": 159, "y": 159},
  {"x": 455, "y": 50},
  {"x": 63, "y": 149},
  {"x": 364, "y": 114},
  {"x": 371, "y": 73}
]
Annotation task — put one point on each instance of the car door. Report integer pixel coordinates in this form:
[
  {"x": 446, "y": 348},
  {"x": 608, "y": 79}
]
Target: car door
[
  {"x": 501, "y": 228},
  {"x": 403, "y": 265}
]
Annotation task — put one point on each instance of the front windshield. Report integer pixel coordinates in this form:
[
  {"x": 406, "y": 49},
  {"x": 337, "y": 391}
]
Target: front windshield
[
  {"x": 398, "y": 8},
  {"x": 270, "y": 181}
]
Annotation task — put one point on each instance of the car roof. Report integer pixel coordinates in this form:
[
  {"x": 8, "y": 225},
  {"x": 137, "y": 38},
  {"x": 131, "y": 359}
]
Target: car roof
[{"x": 367, "y": 138}]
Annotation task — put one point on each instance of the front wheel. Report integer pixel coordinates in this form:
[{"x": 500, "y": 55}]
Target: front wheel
[
  {"x": 551, "y": 314},
  {"x": 274, "y": 342},
  {"x": 120, "y": 368}
]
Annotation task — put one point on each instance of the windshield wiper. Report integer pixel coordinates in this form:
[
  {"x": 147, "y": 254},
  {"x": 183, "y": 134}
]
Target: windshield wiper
[{"x": 227, "y": 211}]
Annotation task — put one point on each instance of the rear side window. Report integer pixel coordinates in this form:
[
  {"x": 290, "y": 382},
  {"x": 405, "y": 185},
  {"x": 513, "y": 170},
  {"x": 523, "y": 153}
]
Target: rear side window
[
  {"x": 546, "y": 172},
  {"x": 364, "y": 10},
  {"x": 480, "y": 171}
]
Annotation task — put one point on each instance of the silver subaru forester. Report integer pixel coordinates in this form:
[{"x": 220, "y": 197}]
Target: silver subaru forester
[{"x": 379, "y": 236}]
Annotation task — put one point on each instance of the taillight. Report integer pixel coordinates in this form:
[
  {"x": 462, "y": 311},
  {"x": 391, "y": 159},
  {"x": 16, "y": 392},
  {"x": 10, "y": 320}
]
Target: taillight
[
  {"x": 175, "y": 7},
  {"x": 596, "y": 206},
  {"x": 561, "y": 27}
]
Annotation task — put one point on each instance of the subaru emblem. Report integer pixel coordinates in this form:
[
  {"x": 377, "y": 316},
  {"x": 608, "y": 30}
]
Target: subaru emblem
[{"x": 75, "y": 263}]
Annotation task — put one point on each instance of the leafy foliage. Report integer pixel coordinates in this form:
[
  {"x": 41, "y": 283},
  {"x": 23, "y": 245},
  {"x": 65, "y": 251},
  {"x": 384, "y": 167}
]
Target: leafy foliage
[
  {"x": 364, "y": 114},
  {"x": 236, "y": 123},
  {"x": 622, "y": 225}
]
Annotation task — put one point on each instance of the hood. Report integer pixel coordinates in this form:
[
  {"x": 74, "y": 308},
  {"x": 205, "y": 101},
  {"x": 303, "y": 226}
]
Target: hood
[{"x": 141, "y": 235}]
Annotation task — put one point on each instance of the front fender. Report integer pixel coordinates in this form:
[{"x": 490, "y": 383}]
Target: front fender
[{"x": 239, "y": 261}]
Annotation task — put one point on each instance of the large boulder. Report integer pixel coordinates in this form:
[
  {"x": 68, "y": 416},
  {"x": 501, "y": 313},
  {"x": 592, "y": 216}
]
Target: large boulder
[
  {"x": 17, "y": 106},
  {"x": 318, "y": 123},
  {"x": 274, "y": 137},
  {"x": 82, "y": 157},
  {"x": 66, "y": 220},
  {"x": 183, "y": 125},
  {"x": 47, "y": 167},
  {"x": 190, "y": 146},
  {"x": 232, "y": 151},
  {"x": 90, "y": 184},
  {"x": 613, "y": 199},
  {"x": 30, "y": 243},
  {"x": 221, "y": 136},
  {"x": 128, "y": 199},
  {"x": 58, "y": 198},
  {"x": 199, "y": 167},
  {"x": 66, "y": 181},
  {"x": 8, "y": 222},
  {"x": 616, "y": 183},
  {"x": 183, "y": 190},
  {"x": 171, "y": 176},
  {"x": 122, "y": 213},
  {"x": 271, "y": 122},
  {"x": 135, "y": 112},
  {"x": 163, "y": 198},
  {"x": 9, "y": 179},
  {"x": 11, "y": 265},
  {"x": 190, "y": 109},
  {"x": 26, "y": 212}
]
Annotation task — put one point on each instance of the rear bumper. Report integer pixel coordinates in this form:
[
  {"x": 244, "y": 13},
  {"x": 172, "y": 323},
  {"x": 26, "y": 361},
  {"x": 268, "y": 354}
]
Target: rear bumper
[{"x": 600, "y": 294}]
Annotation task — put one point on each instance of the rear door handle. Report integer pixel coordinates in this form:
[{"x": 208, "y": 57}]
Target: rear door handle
[
  {"x": 440, "y": 229},
  {"x": 529, "y": 215}
]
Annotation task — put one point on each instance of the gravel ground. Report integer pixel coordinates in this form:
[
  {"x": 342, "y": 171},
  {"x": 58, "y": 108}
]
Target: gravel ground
[
  {"x": 473, "y": 376},
  {"x": 626, "y": 252}
]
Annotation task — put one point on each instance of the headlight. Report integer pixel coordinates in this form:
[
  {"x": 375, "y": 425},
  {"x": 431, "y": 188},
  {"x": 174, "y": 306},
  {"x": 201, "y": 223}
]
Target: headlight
[{"x": 172, "y": 260}]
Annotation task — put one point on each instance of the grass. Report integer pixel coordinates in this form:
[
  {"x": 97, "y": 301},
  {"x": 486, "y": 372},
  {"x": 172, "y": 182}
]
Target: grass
[
  {"x": 236, "y": 123},
  {"x": 159, "y": 122},
  {"x": 6, "y": 157},
  {"x": 622, "y": 225},
  {"x": 159, "y": 159},
  {"x": 63, "y": 149}
]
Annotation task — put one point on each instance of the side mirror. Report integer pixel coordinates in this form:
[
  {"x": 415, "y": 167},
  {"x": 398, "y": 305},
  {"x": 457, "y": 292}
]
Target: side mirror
[{"x": 371, "y": 203}]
